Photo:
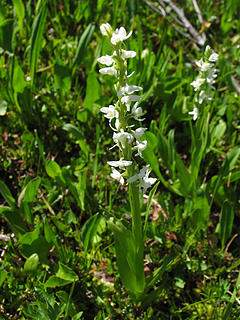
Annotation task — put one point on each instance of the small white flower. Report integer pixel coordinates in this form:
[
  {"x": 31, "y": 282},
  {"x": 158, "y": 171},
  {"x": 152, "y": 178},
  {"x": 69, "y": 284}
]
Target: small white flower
[
  {"x": 194, "y": 113},
  {"x": 107, "y": 60},
  {"x": 144, "y": 181},
  {"x": 109, "y": 70},
  {"x": 120, "y": 35},
  {"x": 203, "y": 96},
  {"x": 140, "y": 146},
  {"x": 204, "y": 66},
  {"x": 106, "y": 29},
  {"x": 110, "y": 112},
  {"x": 117, "y": 175},
  {"x": 128, "y": 99},
  {"x": 139, "y": 132},
  {"x": 137, "y": 112},
  {"x": 121, "y": 163},
  {"x": 213, "y": 57},
  {"x": 211, "y": 75},
  {"x": 197, "y": 83},
  {"x": 126, "y": 54},
  {"x": 123, "y": 138},
  {"x": 28, "y": 78},
  {"x": 128, "y": 89}
]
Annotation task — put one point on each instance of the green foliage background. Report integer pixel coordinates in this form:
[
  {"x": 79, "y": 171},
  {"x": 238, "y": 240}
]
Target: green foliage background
[{"x": 57, "y": 254}]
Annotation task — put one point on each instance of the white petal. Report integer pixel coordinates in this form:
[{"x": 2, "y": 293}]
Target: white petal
[
  {"x": 108, "y": 60},
  {"x": 109, "y": 70},
  {"x": 105, "y": 29}
]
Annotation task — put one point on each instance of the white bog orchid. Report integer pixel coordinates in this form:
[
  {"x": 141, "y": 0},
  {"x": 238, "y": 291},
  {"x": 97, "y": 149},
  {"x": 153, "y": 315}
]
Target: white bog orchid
[
  {"x": 106, "y": 29},
  {"x": 194, "y": 113},
  {"x": 120, "y": 163},
  {"x": 109, "y": 70},
  {"x": 197, "y": 83},
  {"x": 110, "y": 112},
  {"x": 117, "y": 175},
  {"x": 128, "y": 89},
  {"x": 107, "y": 60},
  {"x": 127, "y": 140},
  {"x": 120, "y": 35}
]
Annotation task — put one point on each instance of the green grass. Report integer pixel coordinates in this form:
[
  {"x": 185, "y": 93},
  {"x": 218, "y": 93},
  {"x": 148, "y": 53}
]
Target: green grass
[{"x": 56, "y": 194}]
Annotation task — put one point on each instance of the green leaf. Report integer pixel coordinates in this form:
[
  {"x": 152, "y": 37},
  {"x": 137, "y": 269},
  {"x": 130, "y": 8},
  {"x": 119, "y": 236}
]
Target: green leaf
[
  {"x": 62, "y": 76},
  {"x": 6, "y": 193},
  {"x": 92, "y": 91},
  {"x": 3, "y": 107},
  {"x": 54, "y": 281},
  {"x": 230, "y": 161},
  {"x": 20, "y": 11},
  {"x": 224, "y": 227},
  {"x": 90, "y": 230},
  {"x": 126, "y": 258},
  {"x": 29, "y": 192},
  {"x": 36, "y": 39},
  {"x": 78, "y": 135},
  {"x": 200, "y": 213},
  {"x": 83, "y": 44},
  {"x": 6, "y": 34},
  {"x": 31, "y": 263},
  {"x": 3, "y": 276},
  {"x": 66, "y": 273},
  {"x": 53, "y": 169}
]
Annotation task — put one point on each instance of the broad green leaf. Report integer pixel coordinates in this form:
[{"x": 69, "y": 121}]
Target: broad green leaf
[
  {"x": 6, "y": 34},
  {"x": 54, "y": 281},
  {"x": 83, "y": 44},
  {"x": 3, "y": 276},
  {"x": 90, "y": 230},
  {"x": 29, "y": 192},
  {"x": 39, "y": 246},
  {"x": 66, "y": 273},
  {"x": 126, "y": 258},
  {"x": 224, "y": 227},
  {"x": 200, "y": 211},
  {"x": 230, "y": 161},
  {"x": 36, "y": 39},
  {"x": 6, "y": 193},
  {"x": 14, "y": 219},
  {"x": 53, "y": 169},
  {"x": 20, "y": 11},
  {"x": 3, "y": 107},
  {"x": 92, "y": 91},
  {"x": 62, "y": 76},
  {"x": 31, "y": 263}
]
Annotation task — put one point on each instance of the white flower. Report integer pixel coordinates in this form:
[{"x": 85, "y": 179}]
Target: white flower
[
  {"x": 126, "y": 54},
  {"x": 139, "y": 175},
  {"x": 110, "y": 112},
  {"x": 137, "y": 112},
  {"x": 109, "y": 70},
  {"x": 139, "y": 132},
  {"x": 123, "y": 138},
  {"x": 144, "y": 181},
  {"x": 211, "y": 75},
  {"x": 197, "y": 83},
  {"x": 194, "y": 113},
  {"x": 213, "y": 57},
  {"x": 140, "y": 146},
  {"x": 117, "y": 175},
  {"x": 128, "y": 89},
  {"x": 204, "y": 66},
  {"x": 128, "y": 99},
  {"x": 106, "y": 29},
  {"x": 107, "y": 60},
  {"x": 121, "y": 163},
  {"x": 119, "y": 35},
  {"x": 202, "y": 97}
]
